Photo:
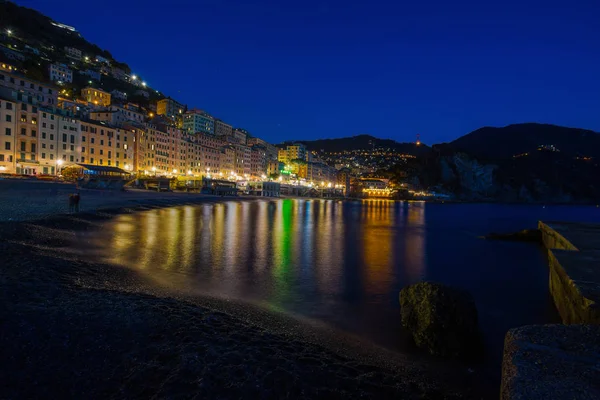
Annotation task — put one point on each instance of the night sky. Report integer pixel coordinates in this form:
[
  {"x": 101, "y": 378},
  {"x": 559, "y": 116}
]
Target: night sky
[{"x": 312, "y": 69}]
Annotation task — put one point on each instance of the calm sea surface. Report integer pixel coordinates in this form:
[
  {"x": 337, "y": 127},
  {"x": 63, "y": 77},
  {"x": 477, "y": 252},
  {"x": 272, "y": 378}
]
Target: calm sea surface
[{"x": 344, "y": 263}]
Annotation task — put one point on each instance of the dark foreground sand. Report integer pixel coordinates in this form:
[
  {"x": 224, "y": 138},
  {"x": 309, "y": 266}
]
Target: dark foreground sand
[{"x": 76, "y": 328}]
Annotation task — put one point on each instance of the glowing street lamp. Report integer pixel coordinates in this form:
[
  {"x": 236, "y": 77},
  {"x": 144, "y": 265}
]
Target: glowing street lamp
[
  {"x": 174, "y": 171},
  {"x": 144, "y": 84},
  {"x": 133, "y": 77},
  {"x": 59, "y": 162},
  {"x": 9, "y": 32},
  {"x": 189, "y": 172}
]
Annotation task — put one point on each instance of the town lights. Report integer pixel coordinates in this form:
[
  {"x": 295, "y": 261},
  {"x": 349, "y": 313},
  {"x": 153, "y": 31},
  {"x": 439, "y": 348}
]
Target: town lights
[
  {"x": 144, "y": 84},
  {"x": 189, "y": 172},
  {"x": 133, "y": 77},
  {"x": 9, "y": 32},
  {"x": 174, "y": 171}
]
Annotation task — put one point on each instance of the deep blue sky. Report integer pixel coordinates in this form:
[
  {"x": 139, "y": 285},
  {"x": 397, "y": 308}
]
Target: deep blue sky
[{"x": 313, "y": 69}]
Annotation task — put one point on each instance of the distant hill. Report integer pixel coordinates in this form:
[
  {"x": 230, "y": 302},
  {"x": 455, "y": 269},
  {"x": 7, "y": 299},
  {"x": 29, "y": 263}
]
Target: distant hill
[
  {"x": 361, "y": 142},
  {"x": 503, "y": 143}
]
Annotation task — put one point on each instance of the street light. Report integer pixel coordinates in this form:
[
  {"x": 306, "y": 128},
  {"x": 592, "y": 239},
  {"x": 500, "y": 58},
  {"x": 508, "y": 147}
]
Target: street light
[
  {"x": 144, "y": 84},
  {"x": 9, "y": 32},
  {"x": 59, "y": 162},
  {"x": 133, "y": 77}
]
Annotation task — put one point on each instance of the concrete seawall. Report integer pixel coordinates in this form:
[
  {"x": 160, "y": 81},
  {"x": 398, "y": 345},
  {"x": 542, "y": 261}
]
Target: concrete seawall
[
  {"x": 561, "y": 361},
  {"x": 574, "y": 263}
]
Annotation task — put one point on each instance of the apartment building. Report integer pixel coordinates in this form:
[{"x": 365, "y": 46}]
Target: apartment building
[
  {"x": 222, "y": 128},
  {"x": 243, "y": 159},
  {"x": 73, "y": 53},
  {"x": 105, "y": 145},
  {"x": 30, "y": 91},
  {"x": 169, "y": 108},
  {"x": 258, "y": 161},
  {"x": 8, "y": 133},
  {"x": 59, "y": 140},
  {"x": 198, "y": 121},
  {"x": 60, "y": 73},
  {"x": 27, "y": 140},
  {"x": 96, "y": 96}
]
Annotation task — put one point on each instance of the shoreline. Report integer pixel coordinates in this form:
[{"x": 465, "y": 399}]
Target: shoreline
[{"x": 52, "y": 283}]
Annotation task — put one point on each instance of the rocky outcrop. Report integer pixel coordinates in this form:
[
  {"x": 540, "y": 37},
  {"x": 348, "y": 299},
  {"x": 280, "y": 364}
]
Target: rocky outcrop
[{"x": 441, "y": 319}]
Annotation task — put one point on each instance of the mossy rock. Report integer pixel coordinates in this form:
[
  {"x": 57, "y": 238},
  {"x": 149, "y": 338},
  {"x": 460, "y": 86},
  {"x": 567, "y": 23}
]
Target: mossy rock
[{"x": 441, "y": 319}]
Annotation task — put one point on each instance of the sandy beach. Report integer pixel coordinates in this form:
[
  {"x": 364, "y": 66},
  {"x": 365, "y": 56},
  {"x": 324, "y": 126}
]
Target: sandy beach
[{"x": 78, "y": 328}]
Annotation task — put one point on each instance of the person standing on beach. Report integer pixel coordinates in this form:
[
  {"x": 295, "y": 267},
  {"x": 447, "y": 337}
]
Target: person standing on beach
[
  {"x": 77, "y": 198},
  {"x": 71, "y": 202}
]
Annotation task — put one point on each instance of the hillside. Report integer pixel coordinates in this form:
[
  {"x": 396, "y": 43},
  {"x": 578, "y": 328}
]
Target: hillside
[
  {"x": 36, "y": 28},
  {"x": 362, "y": 142},
  {"x": 504, "y": 143}
]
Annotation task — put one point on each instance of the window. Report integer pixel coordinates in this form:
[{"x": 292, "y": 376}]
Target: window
[
  {"x": 1, "y": 157},
  {"x": 109, "y": 154},
  {"x": 72, "y": 148},
  {"x": 23, "y": 118},
  {"x": 43, "y": 124},
  {"x": 43, "y": 115},
  {"x": 92, "y": 140},
  {"x": 23, "y": 106},
  {"x": 33, "y": 133},
  {"x": 23, "y": 131},
  {"x": 43, "y": 156},
  {"x": 51, "y": 136},
  {"x": 71, "y": 158},
  {"x": 51, "y": 147},
  {"x": 92, "y": 160},
  {"x": 7, "y": 132},
  {"x": 43, "y": 145},
  {"x": 33, "y": 147},
  {"x": 92, "y": 150},
  {"x": 43, "y": 135},
  {"x": 9, "y": 118},
  {"x": 82, "y": 159},
  {"x": 23, "y": 144},
  {"x": 51, "y": 126},
  {"x": 83, "y": 149},
  {"x": 52, "y": 118},
  {"x": 72, "y": 138},
  {"x": 65, "y": 157},
  {"x": 101, "y": 152},
  {"x": 64, "y": 146},
  {"x": 83, "y": 138},
  {"x": 51, "y": 156},
  {"x": 6, "y": 145},
  {"x": 9, "y": 106},
  {"x": 101, "y": 142},
  {"x": 64, "y": 137}
]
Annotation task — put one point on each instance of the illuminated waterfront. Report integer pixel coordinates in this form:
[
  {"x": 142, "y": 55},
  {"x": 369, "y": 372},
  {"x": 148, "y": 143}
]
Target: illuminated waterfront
[{"x": 341, "y": 263}]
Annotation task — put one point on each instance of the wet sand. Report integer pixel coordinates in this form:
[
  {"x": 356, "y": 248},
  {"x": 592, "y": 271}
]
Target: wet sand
[{"x": 77, "y": 328}]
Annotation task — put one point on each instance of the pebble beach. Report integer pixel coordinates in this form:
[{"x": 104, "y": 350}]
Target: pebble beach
[{"x": 75, "y": 327}]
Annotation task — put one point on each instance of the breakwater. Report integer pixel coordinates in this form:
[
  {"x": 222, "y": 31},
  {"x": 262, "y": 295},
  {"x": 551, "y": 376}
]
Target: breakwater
[{"x": 561, "y": 361}]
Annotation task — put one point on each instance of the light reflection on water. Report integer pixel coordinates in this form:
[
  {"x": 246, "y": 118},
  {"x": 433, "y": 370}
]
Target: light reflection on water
[
  {"x": 321, "y": 259},
  {"x": 342, "y": 263}
]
